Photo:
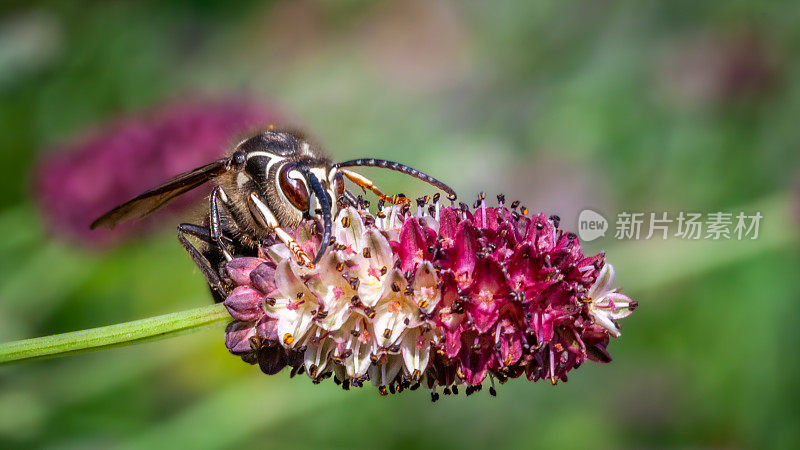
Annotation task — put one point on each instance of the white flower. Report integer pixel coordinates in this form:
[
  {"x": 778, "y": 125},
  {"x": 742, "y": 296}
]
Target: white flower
[{"x": 607, "y": 304}]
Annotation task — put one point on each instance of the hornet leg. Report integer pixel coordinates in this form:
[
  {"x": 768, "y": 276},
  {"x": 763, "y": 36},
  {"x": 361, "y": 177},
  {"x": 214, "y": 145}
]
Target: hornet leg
[
  {"x": 268, "y": 219},
  {"x": 365, "y": 183},
  {"x": 212, "y": 275},
  {"x": 214, "y": 221}
]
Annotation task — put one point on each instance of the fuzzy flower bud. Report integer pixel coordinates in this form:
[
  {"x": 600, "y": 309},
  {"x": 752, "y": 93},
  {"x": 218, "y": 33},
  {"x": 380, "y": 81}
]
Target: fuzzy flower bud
[{"x": 440, "y": 297}]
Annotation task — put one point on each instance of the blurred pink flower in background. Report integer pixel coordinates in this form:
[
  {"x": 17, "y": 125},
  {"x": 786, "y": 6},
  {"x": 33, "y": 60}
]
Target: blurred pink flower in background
[{"x": 85, "y": 177}]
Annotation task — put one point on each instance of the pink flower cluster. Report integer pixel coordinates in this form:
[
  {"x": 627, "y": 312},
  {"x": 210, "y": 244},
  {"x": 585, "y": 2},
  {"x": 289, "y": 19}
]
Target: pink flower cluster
[{"x": 438, "y": 297}]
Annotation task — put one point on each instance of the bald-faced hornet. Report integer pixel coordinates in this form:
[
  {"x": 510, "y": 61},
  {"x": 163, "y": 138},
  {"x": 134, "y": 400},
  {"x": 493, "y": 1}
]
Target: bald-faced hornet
[{"x": 269, "y": 184}]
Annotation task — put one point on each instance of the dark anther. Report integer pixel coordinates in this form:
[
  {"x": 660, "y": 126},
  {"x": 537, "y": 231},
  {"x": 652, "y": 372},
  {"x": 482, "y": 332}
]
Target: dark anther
[
  {"x": 370, "y": 312},
  {"x": 464, "y": 207},
  {"x": 384, "y": 270},
  {"x": 455, "y": 390},
  {"x": 476, "y": 204},
  {"x": 492, "y": 391},
  {"x": 354, "y": 283},
  {"x": 382, "y": 390},
  {"x": 355, "y": 300},
  {"x": 381, "y": 203},
  {"x": 434, "y": 397},
  {"x": 436, "y": 197},
  {"x": 524, "y": 211},
  {"x": 501, "y": 199},
  {"x": 446, "y": 391},
  {"x": 392, "y": 388},
  {"x": 395, "y": 287},
  {"x": 395, "y": 348},
  {"x": 515, "y": 215},
  {"x": 367, "y": 253},
  {"x": 431, "y": 210},
  {"x": 572, "y": 236},
  {"x": 369, "y": 220},
  {"x": 482, "y": 195},
  {"x": 539, "y": 225},
  {"x": 515, "y": 204},
  {"x": 452, "y": 197},
  {"x": 556, "y": 220},
  {"x": 414, "y": 386}
]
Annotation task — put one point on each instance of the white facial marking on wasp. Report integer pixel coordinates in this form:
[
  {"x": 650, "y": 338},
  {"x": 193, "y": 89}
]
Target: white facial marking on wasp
[
  {"x": 266, "y": 214},
  {"x": 242, "y": 179},
  {"x": 319, "y": 172},
  {"x": 332, "y": 175},
  {"x": 306, "y": 148}
]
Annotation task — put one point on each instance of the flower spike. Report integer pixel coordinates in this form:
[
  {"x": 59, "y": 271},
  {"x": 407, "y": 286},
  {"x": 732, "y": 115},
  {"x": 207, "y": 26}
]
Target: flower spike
[{"x": 439, "y": 297}]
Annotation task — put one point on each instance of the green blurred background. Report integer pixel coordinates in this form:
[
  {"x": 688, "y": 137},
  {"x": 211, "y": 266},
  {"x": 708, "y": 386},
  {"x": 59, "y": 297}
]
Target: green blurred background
[{"x": 619, "y": 106}]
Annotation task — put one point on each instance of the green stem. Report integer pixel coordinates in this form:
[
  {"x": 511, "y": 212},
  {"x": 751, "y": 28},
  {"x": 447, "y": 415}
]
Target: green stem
[{"x": 126, "y": 333}]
